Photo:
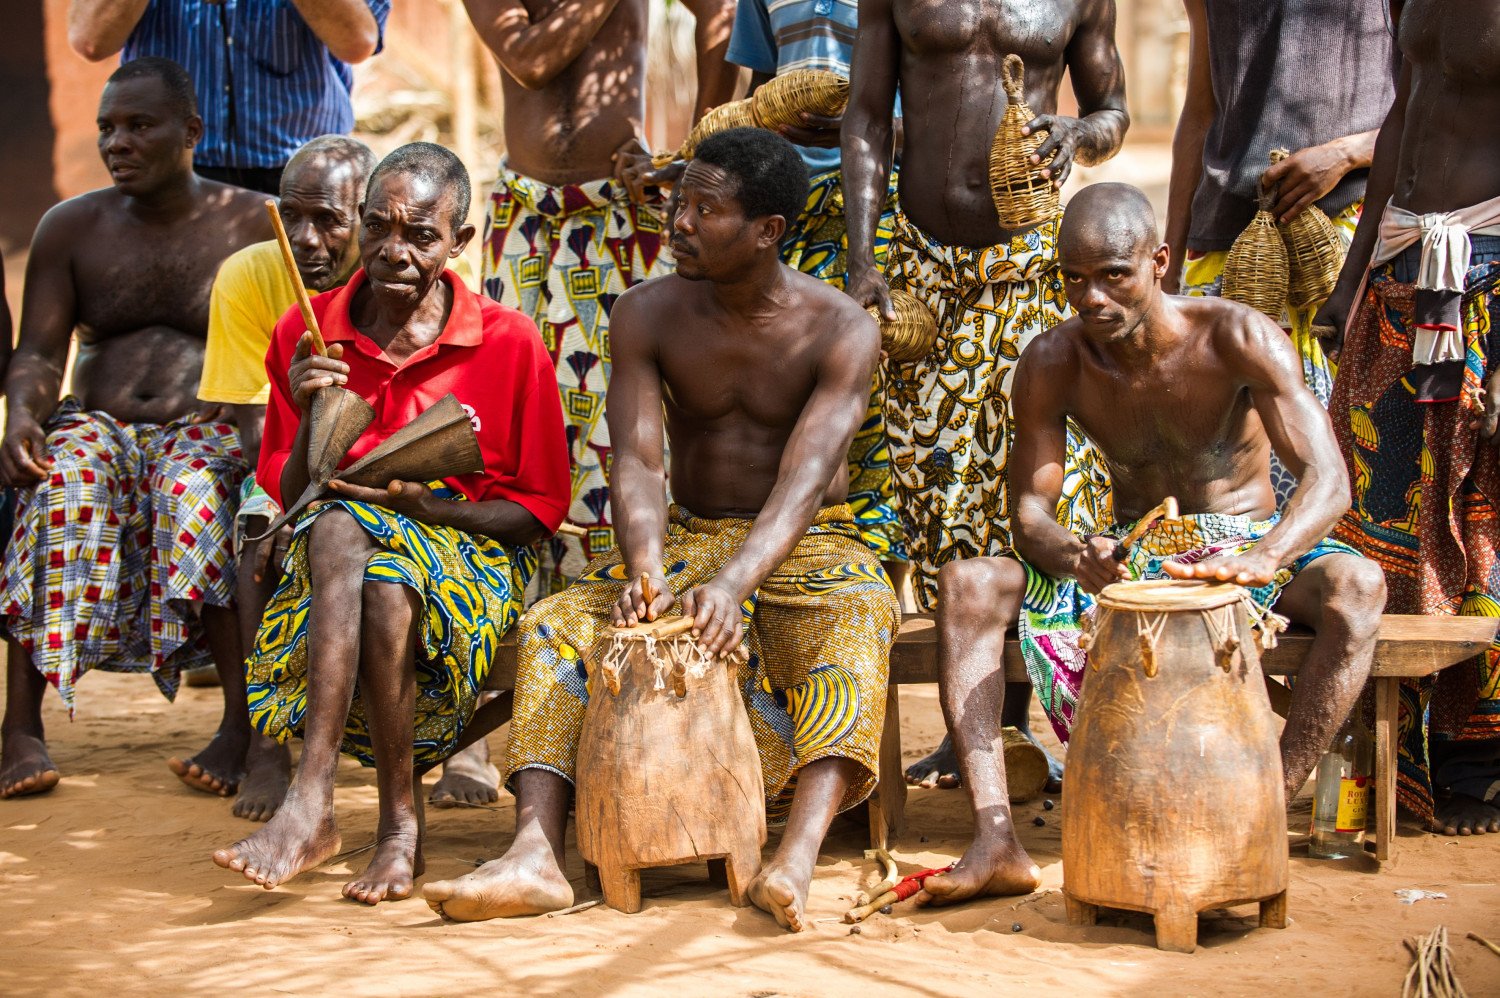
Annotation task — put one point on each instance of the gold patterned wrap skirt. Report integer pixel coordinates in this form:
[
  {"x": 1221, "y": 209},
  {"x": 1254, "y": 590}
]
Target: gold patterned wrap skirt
[
  {"x": 470, "y": 589},
  {"x": 819, "y": 630},
  {"x": 948, "y": 415}
]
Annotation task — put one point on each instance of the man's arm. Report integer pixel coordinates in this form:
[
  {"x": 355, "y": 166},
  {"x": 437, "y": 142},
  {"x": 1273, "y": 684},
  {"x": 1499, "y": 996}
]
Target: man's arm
[
  {"x": 1308, "y": 174},
  {"x": 1198, "y": 107},
  {"x": 7, "y": 344},
  {"x": 98, "y": 29},
  {"x": 347, "y": 27},
  {"x": 505, "y": 521},
  {"x": 867, "y": 146},
  {"x": 814, "y": 454},
  {"x": 1301, "y": 434},
  {"x": 533, "y": 53},
  {"x": 1099, "y": 83},
  {"x": 34, "y": 379},
  {"x": 1334, "y": 315},
  {"x": 1036, "y": 470},
  {"x": 637, "y": 491},
  {"x": 716, "y": 76}
]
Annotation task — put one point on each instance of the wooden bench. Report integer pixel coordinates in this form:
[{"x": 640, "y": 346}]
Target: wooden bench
[{"x": 1407, "y": 647}]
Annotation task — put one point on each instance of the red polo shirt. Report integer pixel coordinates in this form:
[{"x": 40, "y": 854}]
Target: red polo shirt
[{"x": 488, "y": 355}]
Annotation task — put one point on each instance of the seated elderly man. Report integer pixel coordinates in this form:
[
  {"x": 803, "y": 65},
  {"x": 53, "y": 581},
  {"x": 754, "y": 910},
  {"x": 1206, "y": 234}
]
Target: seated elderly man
[
  {"x": 320, "y": 192},
  {"x": 121, "y": 558},
  {"x": 389, "y": 615},
  {"x": 763, "y": 374},
  {"x": 1185, "y": 397}
]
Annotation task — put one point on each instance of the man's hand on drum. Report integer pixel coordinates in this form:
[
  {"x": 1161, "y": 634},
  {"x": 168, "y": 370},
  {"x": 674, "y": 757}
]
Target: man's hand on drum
[
  {"x": 1247, "y": 569},
  {"x": 717, "y": 622},
  {"x": 1097, "y": 565},
  {"x": 631, "y": 609}
]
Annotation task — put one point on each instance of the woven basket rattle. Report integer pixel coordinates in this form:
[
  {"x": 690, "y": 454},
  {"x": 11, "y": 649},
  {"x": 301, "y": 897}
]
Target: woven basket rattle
[
  {"x": 735, "y": 114},
  {"x": 782, "y": 100},
  {"x": 912, "y": 335},
  {"x": 1255, "y": 273},
  {"x": 1314, "y": 253},
  {"x": 1023, "y": 197}
]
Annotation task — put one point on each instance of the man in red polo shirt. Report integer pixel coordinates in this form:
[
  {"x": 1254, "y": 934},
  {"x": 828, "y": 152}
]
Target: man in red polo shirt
[{"x": 405, "y": 589}]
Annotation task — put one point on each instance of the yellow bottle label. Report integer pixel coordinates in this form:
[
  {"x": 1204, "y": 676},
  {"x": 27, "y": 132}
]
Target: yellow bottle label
[{"x": 1354, "y": 804}]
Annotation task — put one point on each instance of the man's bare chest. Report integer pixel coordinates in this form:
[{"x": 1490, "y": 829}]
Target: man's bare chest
[
  {"x": 122, "y": 286},
  {"x": 1032, "y": 29},
  {"x": 1162, "y": 421},
  {"x": 1460, "y": 47}
]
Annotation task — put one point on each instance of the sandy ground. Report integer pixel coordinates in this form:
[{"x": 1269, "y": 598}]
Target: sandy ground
[{"x": 107, "y": 884}]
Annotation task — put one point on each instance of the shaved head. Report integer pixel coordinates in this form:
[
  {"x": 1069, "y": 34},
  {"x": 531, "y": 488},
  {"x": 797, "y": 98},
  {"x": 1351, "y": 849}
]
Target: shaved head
[
  {"x": 328, "y": 151},
  {"x": 1108, "y": 219}
]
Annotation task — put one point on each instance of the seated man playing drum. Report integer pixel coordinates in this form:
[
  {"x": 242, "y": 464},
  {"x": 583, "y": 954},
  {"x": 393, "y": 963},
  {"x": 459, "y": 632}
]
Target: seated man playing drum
[
  {"x": 393, "y": 600},
  {"x": 762, "y": 374},
  {"x": 1185, "y": 397}
]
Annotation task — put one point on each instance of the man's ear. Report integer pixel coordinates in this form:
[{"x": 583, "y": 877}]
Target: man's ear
[
  {"x": 460, "y": 240},
  {"x": 1161, "y": 259},
  {"x": 772, "y": 231},
  {"x": 194, "y": 130}
]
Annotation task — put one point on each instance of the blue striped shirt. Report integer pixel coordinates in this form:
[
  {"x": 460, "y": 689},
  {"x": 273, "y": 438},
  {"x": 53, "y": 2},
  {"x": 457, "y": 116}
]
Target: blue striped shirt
[
  {"x": 778, "y": 36},
  {"x": 263, "y": 89}
]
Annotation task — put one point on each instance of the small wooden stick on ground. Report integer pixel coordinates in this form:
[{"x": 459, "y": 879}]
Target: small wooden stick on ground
[
  {"x": 1485, "y": 943},
  {"x": 577, "y": 907}
]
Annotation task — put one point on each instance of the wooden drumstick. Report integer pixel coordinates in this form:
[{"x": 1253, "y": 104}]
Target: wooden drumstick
[
  {"x": 864, "y": 911},
  {"x": 1166, "y": 510},
  {"x": 648, "y": 594},
  {"x": 304, "y": 304}
]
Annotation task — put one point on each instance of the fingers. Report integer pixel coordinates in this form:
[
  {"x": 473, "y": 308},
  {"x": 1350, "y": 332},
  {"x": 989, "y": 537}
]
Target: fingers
[
  {"x": 1041, "y": 123},
  {"x": 1293, "y": 199},
  {"x": 358, "y": 492},
  {"x": 1177, "y": 570},
  {"x": 1060, "y": 168},
  {"x": 304, "y": 347},
  {"x": 883, "y": 299},
  {"x": 1276, "y": 172},
  {"x": 335, "y": 351},
  {"x": 33, "y": 458}
]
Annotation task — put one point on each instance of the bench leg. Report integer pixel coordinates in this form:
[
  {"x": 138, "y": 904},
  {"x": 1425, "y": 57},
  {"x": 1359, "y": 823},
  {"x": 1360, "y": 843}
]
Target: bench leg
[
  {"x": 1387, "y": 697},
  {"x": 888, "y": 802}
]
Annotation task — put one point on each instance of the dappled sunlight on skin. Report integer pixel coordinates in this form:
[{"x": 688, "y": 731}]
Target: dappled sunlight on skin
[{"x": 143, "y": 894}]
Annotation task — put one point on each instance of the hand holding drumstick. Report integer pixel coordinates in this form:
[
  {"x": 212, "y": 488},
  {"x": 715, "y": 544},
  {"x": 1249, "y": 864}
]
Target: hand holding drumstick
[{"x": 643, "y": 600}]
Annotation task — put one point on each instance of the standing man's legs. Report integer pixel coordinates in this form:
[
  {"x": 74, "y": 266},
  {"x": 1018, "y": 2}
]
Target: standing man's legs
[{"x": 27, "y": 768}]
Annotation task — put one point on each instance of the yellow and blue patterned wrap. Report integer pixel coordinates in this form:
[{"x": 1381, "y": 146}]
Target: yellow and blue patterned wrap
[
  {"x": 470, "y": 587},
  {"x": 819, "y": 629}
]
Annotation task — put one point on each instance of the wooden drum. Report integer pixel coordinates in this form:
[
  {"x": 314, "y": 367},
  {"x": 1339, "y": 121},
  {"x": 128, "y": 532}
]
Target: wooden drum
[
  {"x": 1175, "y": 801},
  {"x": 667, "y": 767}
]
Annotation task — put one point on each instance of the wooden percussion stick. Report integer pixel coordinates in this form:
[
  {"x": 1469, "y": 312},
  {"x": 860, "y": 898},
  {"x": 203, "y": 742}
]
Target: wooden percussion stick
[
  {"x": 1166, "y": 510},
  {"x": 303, "y": 302},
  {"x": 864, "y": 911},
  {"x": 648, "y": 594}
]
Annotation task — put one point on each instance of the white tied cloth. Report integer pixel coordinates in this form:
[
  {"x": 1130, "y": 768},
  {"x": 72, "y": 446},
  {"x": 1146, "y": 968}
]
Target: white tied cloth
[{"x": 1443, "y": 265}]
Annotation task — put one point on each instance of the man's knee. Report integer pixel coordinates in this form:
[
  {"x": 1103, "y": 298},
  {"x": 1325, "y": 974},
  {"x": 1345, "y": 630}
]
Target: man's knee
[
  {"x": 388, "y": 605},
  {"x": 1353, "y": 595},
  {"x": 980, "y": 592}
]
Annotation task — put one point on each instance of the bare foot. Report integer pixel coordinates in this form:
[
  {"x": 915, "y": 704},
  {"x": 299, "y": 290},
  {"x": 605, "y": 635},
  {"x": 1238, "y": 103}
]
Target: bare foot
[
  {"x": 502, "y": 888},
  {"x": 1462, "y": 814},
  {"x": 939, "y": 769},
  {"x": 265, "y": 784},
  {"x": 397, "y": 863},
  {"x": 25, "y": 766},
  {"x": 986, "y": 870},
  {"x": 292, "y": 842},
  {"x": 217, "y": 769},
  {"x": 468, "y": 778},
  {"x": 783, "y": 894}
]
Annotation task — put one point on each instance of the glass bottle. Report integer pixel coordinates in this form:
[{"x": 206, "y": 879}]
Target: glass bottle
[{"x": 1342, "y": 794}]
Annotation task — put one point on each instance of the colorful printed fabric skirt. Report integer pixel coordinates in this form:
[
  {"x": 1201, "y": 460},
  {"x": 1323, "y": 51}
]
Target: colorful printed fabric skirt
[
  {"x": 562, "y": 255},
  {"x": 1053, "y": 609},
  {"x": 108, "y": 556},
  {"x": 948, "y": 415},
  {"x": 818, "y": 244},
  {"x": 819, "y": 634},
  {"x": 1426, "y": 496},
  {"x": 1203, "y": 277},
  {"x": 255, "y": 503},
  {"x": 470, "y": 588}
]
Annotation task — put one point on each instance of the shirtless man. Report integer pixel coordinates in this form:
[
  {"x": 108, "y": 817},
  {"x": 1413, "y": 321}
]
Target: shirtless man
[
  {"x": 764, "y": 375},
  {"x": 1417, "y": 409},
  {"x": 949, "y": 416},
  {"x": 1185, "y": 397},
  {"x": 127, "y": 498},
  {"x": 563, "y": 239}
]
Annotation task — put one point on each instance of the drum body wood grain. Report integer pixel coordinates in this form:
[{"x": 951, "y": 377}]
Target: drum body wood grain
[
  {"x": 666, "y": 779},
  {"x": 1175, "y": 801}
]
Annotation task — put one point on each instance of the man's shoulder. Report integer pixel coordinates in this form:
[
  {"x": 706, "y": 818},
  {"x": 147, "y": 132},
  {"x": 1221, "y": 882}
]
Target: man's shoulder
[{"x": 258, "y": 265}]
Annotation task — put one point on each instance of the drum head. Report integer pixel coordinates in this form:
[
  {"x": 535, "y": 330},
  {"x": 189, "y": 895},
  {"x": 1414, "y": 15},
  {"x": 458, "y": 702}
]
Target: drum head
[{"x": 1162, "y": 595}]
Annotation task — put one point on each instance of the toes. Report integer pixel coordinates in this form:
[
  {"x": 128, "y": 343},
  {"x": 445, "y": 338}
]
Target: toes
[
  {"x": 437, "y": 892},
  {"x": 947, "y": 781}
]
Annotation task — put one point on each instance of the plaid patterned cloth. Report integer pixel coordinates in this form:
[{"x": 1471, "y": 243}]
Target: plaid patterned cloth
[{"x": 107, "y": 555}]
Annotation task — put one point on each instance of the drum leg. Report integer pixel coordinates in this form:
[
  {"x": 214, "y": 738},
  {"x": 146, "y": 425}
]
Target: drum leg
[
  {"x": 1273, "y": 912},
  {"x": 739, "y": 870},
  {"x": 1177, "y": 930},
  {"x": 591, "y": 877},
  {"x": 622, "y": 889},
  {"x": 1080, "y": 912}
]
